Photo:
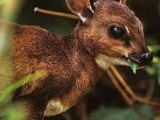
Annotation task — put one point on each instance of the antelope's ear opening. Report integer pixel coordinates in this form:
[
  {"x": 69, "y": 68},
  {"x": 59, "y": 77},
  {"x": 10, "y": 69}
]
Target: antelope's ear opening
[
  {"x": 121, "y": 1},
  {"x": 82, "y": 8}
]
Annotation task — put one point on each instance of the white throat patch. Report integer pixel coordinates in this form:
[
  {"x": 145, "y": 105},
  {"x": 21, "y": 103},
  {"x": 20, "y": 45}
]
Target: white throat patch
[
  {"x": 54, "y": 107},
  {"x": 104, "y": 61}
]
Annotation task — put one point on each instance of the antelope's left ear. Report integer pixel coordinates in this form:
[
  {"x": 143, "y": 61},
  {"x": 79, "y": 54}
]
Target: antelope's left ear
[
  {"x": 122, "y": 1},
  {"x": 82, "y": 8}
]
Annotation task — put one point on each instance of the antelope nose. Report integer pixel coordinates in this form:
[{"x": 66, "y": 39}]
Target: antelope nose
[{"x": 146, "y": 58}]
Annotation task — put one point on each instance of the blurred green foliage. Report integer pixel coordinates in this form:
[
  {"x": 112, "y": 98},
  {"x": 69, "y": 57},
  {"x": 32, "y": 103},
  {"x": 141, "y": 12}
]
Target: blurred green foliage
[
  {"x": 2, "y": 2},
  {"x": 8, "y": 109},
  {"x": 6, "y": 96},
  {"x": 16, "y": 111}
]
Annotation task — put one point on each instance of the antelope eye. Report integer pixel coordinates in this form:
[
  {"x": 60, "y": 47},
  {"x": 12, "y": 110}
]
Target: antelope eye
[{"x": 117, "y": 32}]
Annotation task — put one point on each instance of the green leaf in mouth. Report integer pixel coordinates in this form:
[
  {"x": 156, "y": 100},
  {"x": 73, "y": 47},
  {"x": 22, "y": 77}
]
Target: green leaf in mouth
[{"x": 133, "y": 66}]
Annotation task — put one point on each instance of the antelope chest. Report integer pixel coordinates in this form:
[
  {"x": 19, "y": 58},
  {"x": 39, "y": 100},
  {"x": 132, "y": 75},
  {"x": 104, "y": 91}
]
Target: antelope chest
[{"x": 55, "y": 107}]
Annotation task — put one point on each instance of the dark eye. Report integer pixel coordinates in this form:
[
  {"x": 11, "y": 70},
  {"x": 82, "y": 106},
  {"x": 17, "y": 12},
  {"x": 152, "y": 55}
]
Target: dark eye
[{"x": 117, "y": 32}]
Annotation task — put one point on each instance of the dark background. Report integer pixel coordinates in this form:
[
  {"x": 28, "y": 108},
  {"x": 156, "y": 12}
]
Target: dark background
[{"x": 146, "y": 10}]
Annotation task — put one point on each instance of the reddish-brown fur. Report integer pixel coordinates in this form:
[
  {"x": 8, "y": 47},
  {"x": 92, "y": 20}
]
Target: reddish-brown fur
[
  {"x": 72, "y": 71},
  {"x": 70, "y": 60}
]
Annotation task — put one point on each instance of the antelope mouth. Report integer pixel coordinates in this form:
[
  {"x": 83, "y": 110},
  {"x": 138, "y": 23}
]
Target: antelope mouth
[
  {"x": 134, "y": 62},
  {"x": 140, "y": 60}
]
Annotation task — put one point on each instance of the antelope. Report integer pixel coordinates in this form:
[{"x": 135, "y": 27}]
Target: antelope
[{"x": 108, "y": 33}]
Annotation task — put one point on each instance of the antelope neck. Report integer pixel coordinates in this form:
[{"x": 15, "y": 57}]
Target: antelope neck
[{"x": 86, "y": 75}]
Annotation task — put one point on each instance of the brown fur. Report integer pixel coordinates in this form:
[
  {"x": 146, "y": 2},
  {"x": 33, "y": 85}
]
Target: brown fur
[
  {"x": 69, "y": 60},
  {"x": 71, "y": 69}
]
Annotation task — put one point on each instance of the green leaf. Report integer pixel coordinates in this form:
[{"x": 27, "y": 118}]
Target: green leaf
[
  {"x": 154, "y": 48},
  {"x": 2, "y": 1},
  {"x": 6, "y": 95},
  {"x": 14, "y": 112},
  {"x": 158, "y": 71},
  {"x": 133, "y": 65}
]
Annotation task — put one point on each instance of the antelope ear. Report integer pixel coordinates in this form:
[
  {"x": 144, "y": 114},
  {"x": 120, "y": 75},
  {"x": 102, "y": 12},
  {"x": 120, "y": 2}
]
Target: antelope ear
[
  {"x": 82, "y": 8},
  {"x": 123, "y": 1}
]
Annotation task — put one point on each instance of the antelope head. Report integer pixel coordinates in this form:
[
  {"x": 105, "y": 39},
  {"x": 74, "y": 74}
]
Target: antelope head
[{"x": 111, "y": 32}]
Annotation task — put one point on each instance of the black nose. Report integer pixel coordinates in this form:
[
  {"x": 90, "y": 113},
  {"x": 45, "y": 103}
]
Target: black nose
[{"x": 146, "y": 58}]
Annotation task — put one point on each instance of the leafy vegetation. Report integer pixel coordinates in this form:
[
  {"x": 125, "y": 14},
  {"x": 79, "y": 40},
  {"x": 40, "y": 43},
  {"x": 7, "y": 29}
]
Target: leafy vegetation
[
  {"x": 133, "y": 65},
  {"x": 16, "y": 111},
  {"x": 8, "y": 109}
]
